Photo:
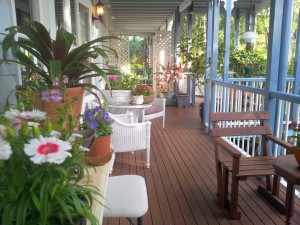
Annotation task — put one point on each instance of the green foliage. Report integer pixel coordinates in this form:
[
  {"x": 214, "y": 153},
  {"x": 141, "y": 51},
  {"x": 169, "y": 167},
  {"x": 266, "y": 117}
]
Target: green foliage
[
  {"x": 241, "y": 59},
  {"x": 75, "y": 61},
  {"x": 35, "y": 191},
  {"x": 129, "y": 82}
]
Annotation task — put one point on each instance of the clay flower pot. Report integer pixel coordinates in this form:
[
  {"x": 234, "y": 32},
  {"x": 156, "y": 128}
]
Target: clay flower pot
[{"x": 100, "y": 152}]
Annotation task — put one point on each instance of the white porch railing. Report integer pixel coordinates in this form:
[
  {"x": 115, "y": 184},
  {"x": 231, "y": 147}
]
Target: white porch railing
[{"x": 248, "y": 94}]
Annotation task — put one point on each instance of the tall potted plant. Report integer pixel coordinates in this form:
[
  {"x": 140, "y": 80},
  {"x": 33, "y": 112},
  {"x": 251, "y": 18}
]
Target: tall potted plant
[
  {"x": 165, "y": 79},
  {"x": 56, "y": 59}
]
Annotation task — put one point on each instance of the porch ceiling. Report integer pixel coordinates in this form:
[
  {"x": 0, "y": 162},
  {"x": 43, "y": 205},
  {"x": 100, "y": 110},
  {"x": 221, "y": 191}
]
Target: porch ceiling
[{"x": 151, "y": 15}]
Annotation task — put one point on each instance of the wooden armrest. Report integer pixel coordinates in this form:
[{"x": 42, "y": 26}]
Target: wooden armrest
[
  {"x": 280, "y": 142},
  {"x": 228, "y": 147}
]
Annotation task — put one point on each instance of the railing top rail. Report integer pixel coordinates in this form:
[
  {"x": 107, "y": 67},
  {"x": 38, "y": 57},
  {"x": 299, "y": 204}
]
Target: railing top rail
[
  {"x": 284, "y": 96},
  {"x": 240, "y": 87}
]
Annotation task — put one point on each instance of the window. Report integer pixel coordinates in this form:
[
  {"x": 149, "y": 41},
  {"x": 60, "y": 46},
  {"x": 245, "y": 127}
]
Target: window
[
  {"x": 23, "y": 9},
  {"x": 84, "y": 24}
]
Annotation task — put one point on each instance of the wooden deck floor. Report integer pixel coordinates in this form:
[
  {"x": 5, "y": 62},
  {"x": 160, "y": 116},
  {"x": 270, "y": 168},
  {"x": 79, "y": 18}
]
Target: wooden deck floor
[{"x": 181, "y": 181}]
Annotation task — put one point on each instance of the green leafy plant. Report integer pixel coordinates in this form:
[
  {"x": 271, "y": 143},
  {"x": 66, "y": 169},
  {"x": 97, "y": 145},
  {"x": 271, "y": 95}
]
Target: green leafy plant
[
  {"x": 73, "y": 62},
  {"x": 41, "y": 167},
  {"x": 125, "y": 82},
  {"x": 241, "y": 59}
]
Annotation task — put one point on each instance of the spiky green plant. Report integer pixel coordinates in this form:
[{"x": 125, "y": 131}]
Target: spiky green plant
[{"x": 75, "y": 62}]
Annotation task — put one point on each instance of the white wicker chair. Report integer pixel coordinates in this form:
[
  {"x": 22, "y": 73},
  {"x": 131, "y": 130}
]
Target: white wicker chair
[
  {"x": 129, "y": 137},
  {"x": 157, "y": 109}
]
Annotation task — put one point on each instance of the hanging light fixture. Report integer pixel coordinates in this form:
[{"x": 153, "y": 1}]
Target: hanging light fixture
[
  {"x": 250, "y": 35},
  {"x": 99, "y": 11}
]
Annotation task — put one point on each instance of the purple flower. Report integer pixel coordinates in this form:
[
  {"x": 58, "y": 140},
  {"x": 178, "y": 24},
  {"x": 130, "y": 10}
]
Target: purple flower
[
  {"x": 56, "y": 95},
  {"x": 93, "y": 124},
  {"x": 65, "y": 79},
  {"x": 55, "y": 81},
  {"x": 46, "y": 96},
  {"x": 105, "y": 116},
  {"x": 97, "y": 109}
]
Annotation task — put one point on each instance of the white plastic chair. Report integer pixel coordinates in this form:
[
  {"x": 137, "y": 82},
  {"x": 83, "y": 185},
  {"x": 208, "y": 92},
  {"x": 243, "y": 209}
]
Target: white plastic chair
[
  {"x": 126, "y": 197},
  {"x": 158, "y": 109},
  {"x": 129, "y": 137}
]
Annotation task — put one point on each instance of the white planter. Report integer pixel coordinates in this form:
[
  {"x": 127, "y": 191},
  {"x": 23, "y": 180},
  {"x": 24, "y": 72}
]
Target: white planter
[
  {"x": 137, "y": 99},
  {"x": 118, "y": 97}
]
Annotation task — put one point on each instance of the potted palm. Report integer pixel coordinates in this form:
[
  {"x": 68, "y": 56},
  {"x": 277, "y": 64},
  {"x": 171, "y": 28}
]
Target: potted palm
[{"x": 57, "y": 59}]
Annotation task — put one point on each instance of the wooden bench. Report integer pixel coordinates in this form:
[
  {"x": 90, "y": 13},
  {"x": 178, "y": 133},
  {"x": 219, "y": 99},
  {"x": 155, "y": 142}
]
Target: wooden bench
[{"x": 230, "y": 160}]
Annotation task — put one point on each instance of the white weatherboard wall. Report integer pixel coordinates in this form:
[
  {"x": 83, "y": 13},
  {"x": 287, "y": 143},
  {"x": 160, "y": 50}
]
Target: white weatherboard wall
[
  {"x": 44, "y": 12},
  {"x": 9, "y": 76}
]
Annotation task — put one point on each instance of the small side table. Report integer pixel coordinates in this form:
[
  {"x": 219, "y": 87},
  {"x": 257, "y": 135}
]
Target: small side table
[{"x": 287, "y": 167}]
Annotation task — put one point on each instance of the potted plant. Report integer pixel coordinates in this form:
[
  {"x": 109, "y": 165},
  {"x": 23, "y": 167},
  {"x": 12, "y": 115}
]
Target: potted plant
[
  {"x": 145, "y": 91},
  {"x": 99, "y": 120},
  {"x": 56, "y": 59},
  {"x": 182, "y": 99},
  {"x": 247, "y": 62},
  {"x": 119, "y": 89},
  {"x": 295, "y": 139},
  {"x": 41, "y": 166},
  {"x": 165, "y": 79}
]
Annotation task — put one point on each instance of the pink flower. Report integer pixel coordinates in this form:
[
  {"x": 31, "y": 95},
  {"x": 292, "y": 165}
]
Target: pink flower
[
  {"x": 14, "y": 114},
  {"x": 50, "y": 149},
  {"x": 113, "y": 77}
]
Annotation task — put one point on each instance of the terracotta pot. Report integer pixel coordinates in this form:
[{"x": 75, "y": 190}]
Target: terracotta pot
[
  {"x": 148, "y": 99},
  {"x": 74, "y": 96},
  {"x": 100, "y": 152},
  {"x": 296, "y": 152}
]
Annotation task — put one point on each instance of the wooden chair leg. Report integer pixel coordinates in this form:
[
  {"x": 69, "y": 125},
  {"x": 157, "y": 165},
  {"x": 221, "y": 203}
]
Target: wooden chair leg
[
  {"x": 219, "y": 180},
  {"x": 234, "y": 214},
  {"x": 268, "y": 182},
  {"x": 225, "y": 187},
  {"x": 276, "y": 185}
]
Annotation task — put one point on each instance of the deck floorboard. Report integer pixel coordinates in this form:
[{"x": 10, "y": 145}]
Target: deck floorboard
[{"x": 182, "y": 183}]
